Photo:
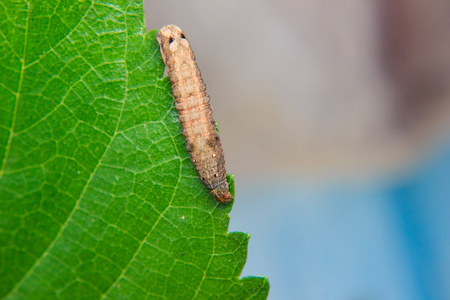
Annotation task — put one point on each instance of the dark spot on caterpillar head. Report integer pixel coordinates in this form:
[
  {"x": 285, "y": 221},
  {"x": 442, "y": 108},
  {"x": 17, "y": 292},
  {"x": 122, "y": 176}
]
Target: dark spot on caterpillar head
[
  {"x": 203, "y": 178},
  {"x": 171, "y": 40},
  {"x": 217, "y": 138},
  {"x": 182, "y": 36},
  {"x": 216, "y": 175}
]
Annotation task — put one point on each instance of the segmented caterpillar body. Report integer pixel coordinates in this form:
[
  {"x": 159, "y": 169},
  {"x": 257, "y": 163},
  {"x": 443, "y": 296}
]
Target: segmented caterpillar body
[{"x": 194, "y": 111}]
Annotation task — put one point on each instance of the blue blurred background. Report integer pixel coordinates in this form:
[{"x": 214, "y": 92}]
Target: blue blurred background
[
  {"x": 386, "y": 239},
  {"x": 335, "y": 119}
]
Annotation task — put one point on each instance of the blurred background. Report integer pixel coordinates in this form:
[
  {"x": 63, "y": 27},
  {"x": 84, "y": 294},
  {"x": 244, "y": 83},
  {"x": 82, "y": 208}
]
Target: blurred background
[{"x": 335, "y": 120}]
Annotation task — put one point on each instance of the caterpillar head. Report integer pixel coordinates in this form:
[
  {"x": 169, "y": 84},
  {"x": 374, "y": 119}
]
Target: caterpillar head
[{"x": 171, "y": 39}]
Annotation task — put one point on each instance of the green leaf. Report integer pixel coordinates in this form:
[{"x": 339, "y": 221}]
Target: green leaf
[{"x": 98, "y": 196}]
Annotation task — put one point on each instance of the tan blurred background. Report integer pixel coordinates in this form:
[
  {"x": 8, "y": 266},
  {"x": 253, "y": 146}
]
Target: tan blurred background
[{"x": 319, "y": 88}]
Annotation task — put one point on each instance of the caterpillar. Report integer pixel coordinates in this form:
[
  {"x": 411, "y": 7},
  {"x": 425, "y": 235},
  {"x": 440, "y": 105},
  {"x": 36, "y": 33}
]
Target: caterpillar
[{"x": 194, "y": 111}]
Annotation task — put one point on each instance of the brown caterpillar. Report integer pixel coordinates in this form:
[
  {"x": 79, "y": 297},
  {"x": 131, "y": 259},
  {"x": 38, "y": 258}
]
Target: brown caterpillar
[{"x": 194, "y": 111}]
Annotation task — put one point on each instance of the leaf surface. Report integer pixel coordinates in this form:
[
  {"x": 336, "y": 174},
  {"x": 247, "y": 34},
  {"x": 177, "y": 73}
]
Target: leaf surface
[{"x": 98, "y": 196}]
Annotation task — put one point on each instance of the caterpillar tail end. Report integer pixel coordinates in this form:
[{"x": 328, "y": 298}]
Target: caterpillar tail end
[{"x": 225, "y": 198}]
